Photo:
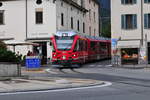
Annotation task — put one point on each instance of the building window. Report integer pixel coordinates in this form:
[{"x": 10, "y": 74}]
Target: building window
[
  {"x": 78, "y": 25},
  {"x": 77, "y": 11},
  {"x": 71, "y": 22},
  {"x": 39, "y": 17},
  {"x": 90, "y": 30},
  {"x": 90, "y": 14},
  {"x": 62, "y": 4},
  {"x": 62, "y": 19},
  {"x": 94, "y": 32},
  {"x": 129, "y": 21},
  {"x": 147, "y": 21},
  {"x": 94, "y": 17},
  {"x": 146, "y": 1},
  {"x": 1, "y": 17},
  {"x": 83, "y": 27},
  {"x": 71, "y": 8},
  {"x": 89, "y": 1},
  {"x": 128, "y": 1}
]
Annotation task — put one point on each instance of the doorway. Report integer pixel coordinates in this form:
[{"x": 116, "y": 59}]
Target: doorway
[
  {"x": 148, "y": 52},
  {"x": 129, "y": 56},
  {"x": 41, "y": 51}
]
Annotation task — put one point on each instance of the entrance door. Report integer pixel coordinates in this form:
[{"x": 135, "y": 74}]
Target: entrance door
[{"x": 42, "y": 51}]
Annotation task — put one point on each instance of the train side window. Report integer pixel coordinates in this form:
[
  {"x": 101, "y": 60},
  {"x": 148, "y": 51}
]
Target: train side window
[
  {"x": 93, "y": 46},
  {"x": 76, "y": 46},
  {"x": 103, "y": 46},
  {"x": 85, "y": 45},
  {"x": 81, "y": 45}
]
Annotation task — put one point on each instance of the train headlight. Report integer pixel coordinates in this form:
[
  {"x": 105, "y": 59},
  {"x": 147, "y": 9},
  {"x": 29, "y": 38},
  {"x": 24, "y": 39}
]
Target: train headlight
[
  {"x": 54, "y": 55},
  {"x": 74, "y": 55},
  {"x": 64, "y": 57}
]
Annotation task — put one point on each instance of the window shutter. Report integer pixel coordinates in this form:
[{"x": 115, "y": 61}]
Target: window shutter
[
  {"x": 134, "y": 21},
  {"x": 123, "y": 24},
  {"x": 148, "y": 20},
  {"x": 145, "y": 21}
]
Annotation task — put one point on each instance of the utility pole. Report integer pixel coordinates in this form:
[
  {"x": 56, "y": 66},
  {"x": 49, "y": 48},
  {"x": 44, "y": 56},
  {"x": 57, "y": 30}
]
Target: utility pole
[{"x": 26, "y": 19}]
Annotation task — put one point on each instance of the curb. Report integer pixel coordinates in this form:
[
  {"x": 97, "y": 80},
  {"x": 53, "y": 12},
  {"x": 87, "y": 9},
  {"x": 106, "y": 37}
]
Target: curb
[
  {"x": 51, "y": 89},
  {"x": 128, "y": 67},
  {"x": 64, "y": 86}
]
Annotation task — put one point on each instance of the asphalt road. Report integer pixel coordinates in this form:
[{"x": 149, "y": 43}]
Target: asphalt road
[{"x": 127, "y": 84}]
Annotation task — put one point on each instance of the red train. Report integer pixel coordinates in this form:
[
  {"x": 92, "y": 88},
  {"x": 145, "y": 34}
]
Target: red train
[{"x": 71, "y": 48}]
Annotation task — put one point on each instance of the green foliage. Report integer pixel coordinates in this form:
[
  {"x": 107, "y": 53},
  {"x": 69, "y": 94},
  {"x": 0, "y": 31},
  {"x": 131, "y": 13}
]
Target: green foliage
[
  {"x": 2, "y": 45},
  {"x": 8, "y": 56},
  {"x": 106, "y": 30},
  {"x": 105, "y": 23}
]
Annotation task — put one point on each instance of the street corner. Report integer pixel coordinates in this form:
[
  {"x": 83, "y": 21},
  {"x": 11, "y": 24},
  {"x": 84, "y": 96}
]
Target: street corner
[{"x": 48, "y": 83}]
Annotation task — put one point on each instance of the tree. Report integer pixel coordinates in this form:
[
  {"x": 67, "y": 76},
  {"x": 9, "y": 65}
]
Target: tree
[
  {"x": 106, "y": 30},
  {"x": 6, "y": 55}
]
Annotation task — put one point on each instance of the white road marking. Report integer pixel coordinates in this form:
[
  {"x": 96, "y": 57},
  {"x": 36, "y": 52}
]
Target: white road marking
[
  {"x": 100, "y": 65},
  {"x": 92, "y": 65},
  {"x": 108, "y": 65},
  {"x": 51, "y": 71},
  {"x": 57, "y": 90}
]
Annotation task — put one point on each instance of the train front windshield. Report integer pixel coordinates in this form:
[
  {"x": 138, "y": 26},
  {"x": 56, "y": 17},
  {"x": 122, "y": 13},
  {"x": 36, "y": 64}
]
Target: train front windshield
[{"x": 64, "y": 43}]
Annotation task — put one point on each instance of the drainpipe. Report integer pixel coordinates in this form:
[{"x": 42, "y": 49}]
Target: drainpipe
[{"x": 142, "y": 22}]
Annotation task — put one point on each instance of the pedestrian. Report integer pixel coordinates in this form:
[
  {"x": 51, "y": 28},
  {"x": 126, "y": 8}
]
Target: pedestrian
[{"x": 29, "y": 53}]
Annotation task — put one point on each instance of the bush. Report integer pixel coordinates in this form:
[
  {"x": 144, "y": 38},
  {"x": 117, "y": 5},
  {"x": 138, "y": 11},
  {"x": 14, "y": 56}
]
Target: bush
[
  {"x": 8, "y": 56},
  {"x": 3, "y": 45}
]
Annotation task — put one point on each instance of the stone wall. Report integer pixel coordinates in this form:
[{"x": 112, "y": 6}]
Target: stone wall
[{"x": 9, "y": 70}]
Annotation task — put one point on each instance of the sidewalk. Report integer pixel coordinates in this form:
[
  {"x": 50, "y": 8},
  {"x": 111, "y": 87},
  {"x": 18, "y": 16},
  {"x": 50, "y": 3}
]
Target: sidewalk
[
  {"x": 44, "y": 83},
  {"x": 131, "y": 66}
]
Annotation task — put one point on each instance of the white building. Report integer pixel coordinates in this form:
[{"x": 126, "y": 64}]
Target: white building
[
  {"x": 37, "y": 20},
  {"x": 130, "y": 21}
]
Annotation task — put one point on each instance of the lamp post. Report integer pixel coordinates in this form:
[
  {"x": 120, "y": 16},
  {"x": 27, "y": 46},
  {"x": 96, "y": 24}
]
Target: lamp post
[{"x": 143, "y": 37}]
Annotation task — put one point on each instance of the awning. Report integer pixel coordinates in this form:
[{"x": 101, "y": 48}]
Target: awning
[
  {"x": 128, "y": 44},
  {"x": 15, "y": 43}
]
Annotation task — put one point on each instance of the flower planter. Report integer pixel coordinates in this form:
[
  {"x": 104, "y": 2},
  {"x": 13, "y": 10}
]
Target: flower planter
[{"x": 9, "y": 69}]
